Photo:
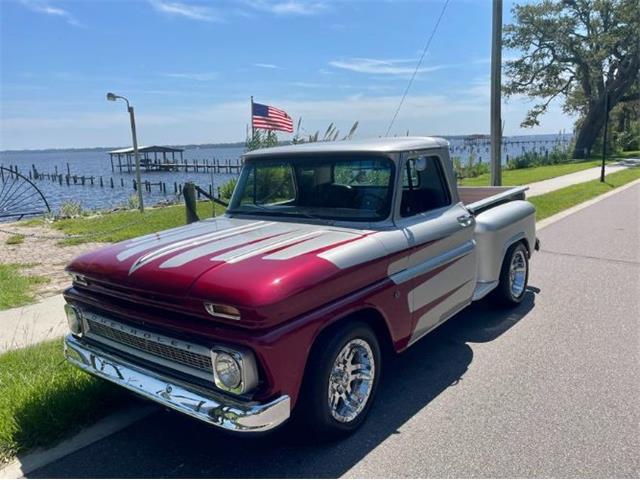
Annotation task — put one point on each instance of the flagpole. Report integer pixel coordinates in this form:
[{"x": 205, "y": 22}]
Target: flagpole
[{"x": 253, "y": 130}]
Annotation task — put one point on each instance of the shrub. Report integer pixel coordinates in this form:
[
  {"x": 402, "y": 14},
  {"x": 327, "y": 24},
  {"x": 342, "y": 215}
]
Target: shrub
[
  {"x": 472, "y": 169},
  {"x": 15, "y": 239},
  {"x": 71, "y": 209},
  {"x": 226, "y": 189},
  {"x": 133, "y": 202},
  {"x": 537, "y": 159},
  {"x": 629, "y": 140}
]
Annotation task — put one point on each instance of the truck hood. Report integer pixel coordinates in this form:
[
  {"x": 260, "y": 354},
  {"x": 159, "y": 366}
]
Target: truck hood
[{"x": 246, "y": 262}]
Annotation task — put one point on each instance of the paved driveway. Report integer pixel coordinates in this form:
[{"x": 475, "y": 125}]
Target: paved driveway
[{"x": 551, "y": 388}]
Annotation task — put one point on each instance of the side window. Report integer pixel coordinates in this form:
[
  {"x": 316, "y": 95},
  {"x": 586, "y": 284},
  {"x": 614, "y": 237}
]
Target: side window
[{"x": 424, "y": 187}]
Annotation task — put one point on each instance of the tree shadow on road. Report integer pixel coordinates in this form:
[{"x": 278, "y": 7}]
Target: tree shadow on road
[{"x": 171, "y": 445}]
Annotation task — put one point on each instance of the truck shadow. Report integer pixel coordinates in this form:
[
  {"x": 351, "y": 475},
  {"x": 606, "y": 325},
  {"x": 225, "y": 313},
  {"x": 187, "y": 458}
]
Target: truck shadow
[{"x": 170, "y": 445}]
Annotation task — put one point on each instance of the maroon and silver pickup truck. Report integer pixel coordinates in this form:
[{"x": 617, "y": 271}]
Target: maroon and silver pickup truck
[{"x": 327, "y": 253}]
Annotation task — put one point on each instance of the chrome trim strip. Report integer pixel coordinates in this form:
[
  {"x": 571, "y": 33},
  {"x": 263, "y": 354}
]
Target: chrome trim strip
[
  {"x": 432, "y": 263},
  {"x": 204, "y": 405}
]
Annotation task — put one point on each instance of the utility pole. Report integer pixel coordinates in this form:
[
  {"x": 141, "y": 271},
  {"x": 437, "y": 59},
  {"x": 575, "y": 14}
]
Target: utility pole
[{"x": 496, "y": 85}]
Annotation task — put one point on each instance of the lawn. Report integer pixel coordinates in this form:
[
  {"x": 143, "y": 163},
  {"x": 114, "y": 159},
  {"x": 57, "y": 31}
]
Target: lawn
[
  {"x": 44, "y": 399},
  {"x": 17, "y": 289},
  {"x": 117, "y": 226},
  {"x": 524, "y": 176},
  {"x": 558, "y": 200},
  {"x": 629, "y": 154}
]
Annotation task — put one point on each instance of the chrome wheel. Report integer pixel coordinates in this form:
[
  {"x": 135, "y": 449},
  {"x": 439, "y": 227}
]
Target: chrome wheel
[
  {"x": 351, "y": 380},
  {"x": 517, "y": 273}
]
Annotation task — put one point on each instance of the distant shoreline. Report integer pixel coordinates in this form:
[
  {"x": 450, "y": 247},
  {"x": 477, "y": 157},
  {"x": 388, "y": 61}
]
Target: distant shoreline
[
  {"x": 193, "y": 146},
  {"x": 106, "y": 149}
]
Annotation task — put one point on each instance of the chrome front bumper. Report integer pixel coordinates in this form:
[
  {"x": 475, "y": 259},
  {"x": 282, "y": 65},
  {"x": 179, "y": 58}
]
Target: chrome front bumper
[{"x": 205, "y": 405}]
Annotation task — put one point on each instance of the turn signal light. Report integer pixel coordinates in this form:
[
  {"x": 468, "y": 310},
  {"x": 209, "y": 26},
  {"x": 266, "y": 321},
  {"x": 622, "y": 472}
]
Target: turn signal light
[{"x": 222, "y": 311}]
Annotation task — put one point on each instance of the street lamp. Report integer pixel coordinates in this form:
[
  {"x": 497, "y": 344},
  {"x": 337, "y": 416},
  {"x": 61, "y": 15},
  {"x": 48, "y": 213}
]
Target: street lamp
[
  {"x": 606, "y": 121},
  {"x": 112, "y": 97}
]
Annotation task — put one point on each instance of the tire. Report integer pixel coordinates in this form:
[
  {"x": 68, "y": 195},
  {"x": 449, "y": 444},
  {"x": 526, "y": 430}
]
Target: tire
[
  {"x": 511, "y": 290},
  {"x": 315, "y": 410}
]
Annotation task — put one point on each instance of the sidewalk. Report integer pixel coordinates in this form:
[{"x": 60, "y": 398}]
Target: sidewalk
[
  {"x": 23, "y": 326},
  {"x": 546, "y": 186}
]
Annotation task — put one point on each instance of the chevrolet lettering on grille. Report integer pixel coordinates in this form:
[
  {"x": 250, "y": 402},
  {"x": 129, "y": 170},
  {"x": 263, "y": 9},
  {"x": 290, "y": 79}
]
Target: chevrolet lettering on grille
[{"x": 167, "y": 351}]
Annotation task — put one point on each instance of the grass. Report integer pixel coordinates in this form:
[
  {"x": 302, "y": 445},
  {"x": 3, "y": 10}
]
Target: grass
[
  {"x": 118, "y": 226},
  {"x": 629, "y": 154},
  {"x": 524, "y": 176},
  {"x": 17, "y": 289},
  {"x": 14, "y": 240},
  {"x": 44, "y": 399},
  {"x": 558, "y": 200}
]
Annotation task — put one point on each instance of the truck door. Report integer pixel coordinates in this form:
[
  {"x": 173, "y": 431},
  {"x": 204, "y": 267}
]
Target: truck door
[{"x": 442, "y": 264}]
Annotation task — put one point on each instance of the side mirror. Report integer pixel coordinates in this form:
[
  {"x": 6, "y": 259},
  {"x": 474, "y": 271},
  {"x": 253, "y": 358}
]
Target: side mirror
[{"x": 421, "y": 164}]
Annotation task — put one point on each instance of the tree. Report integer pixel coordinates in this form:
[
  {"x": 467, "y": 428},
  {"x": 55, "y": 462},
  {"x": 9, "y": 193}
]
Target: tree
[
  {"x": 581, "y": 51},
  {"x": 261, "y": 139}
]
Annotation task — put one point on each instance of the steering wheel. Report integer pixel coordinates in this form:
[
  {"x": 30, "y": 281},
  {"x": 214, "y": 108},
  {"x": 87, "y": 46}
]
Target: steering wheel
[{"x": 371, "y": 201}]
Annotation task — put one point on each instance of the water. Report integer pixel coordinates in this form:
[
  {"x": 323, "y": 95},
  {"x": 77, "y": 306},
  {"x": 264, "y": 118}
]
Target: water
[{"x": 97, "y": 163}]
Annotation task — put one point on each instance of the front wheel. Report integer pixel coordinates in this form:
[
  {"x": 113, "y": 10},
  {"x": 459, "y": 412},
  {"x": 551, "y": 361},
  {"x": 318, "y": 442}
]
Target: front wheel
[
  {"x": 514, "y": 276},
  {"x": 341, "y": 380}
]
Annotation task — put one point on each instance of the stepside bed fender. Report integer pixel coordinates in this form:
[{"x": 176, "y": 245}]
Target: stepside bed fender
[{"x": 496, "y": 230}]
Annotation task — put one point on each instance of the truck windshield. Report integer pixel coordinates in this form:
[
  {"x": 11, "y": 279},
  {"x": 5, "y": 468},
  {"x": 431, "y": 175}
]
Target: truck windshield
[{"x": 356, "y": 188}]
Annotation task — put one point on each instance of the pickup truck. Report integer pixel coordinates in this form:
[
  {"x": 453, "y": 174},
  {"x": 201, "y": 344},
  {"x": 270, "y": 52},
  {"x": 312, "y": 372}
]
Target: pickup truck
[{"x": 327, "y": 255}]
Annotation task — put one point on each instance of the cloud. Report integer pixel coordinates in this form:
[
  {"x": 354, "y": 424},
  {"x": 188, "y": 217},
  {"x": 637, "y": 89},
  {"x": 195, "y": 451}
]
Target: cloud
[
  {"x": 288, "y": 7},
  {"x": 184, "y": 10},
  {"x": 381, "y": 66},
  {"x": 47, "y": 9},
  {"x": 198, "y": 77},
  {"x": 267, "y": 65}
]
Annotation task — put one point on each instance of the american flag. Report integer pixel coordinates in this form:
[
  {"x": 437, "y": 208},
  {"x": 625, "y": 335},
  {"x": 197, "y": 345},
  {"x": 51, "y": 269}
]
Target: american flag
[{"x": 270, "y": 118}]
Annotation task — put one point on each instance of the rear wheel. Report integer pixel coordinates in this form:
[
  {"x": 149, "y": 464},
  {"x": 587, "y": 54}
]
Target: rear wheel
[
  {"x": 514, "y": 276},
  {"x": 341, "y": 380}
]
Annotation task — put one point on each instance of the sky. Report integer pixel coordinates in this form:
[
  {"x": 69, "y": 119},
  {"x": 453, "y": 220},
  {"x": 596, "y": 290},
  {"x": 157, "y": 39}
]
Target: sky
[{"x": 189, "y": 68}]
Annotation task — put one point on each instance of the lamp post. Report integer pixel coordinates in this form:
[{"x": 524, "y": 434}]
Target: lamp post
[
  {"x": 604, "y": 134},
  {"x": 606, "y": 120},
  {"x": 112, "y": 97}
]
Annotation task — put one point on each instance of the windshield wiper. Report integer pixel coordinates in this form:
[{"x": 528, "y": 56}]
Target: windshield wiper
[{"x": 260, "y": 209}]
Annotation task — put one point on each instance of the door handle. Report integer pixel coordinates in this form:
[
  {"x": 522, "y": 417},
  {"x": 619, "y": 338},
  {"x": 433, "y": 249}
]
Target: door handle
[{"x": 465, "y": 220}]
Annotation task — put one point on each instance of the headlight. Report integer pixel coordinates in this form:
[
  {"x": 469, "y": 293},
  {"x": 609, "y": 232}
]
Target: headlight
[
  {"x": 228, "y": 371},
  {"x": 74, "y": 319},
  {"x": 234, "y": 370}
]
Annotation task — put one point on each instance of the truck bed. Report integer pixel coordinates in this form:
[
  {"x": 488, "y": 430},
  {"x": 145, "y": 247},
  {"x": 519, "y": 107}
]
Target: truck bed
[{"x": 479, "y": 199}]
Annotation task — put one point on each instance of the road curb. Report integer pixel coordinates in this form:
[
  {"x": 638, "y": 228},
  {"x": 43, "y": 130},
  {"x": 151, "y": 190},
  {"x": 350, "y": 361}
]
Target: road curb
[
  {"x": 26, "y": 464},
  {"x": 581, "y": 206}
]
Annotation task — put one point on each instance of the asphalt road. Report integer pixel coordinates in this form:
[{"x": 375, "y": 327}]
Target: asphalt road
[{"x": 550, "y": 389}]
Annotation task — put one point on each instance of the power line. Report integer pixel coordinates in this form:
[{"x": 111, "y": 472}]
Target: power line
[{"x": 415, "y": 72}]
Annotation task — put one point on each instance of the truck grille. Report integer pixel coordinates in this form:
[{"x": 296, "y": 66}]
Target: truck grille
[{"x": 158, "y": 348}]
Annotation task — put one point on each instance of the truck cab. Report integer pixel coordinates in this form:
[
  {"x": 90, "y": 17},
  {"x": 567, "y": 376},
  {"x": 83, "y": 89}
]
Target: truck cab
[{"x": 327, "y": 253}]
